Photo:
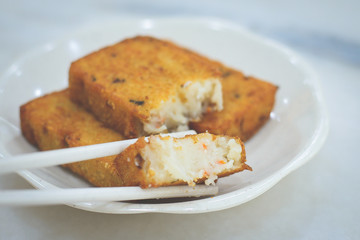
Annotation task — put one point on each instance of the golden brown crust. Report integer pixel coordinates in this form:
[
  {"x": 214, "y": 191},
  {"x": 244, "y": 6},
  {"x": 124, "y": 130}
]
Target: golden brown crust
[
  {"x": 248, "y": 102},
  {"x": 131, "y": 165},
  {"x": 53, "y": 122},
  {"x": 122, "y": 83}
]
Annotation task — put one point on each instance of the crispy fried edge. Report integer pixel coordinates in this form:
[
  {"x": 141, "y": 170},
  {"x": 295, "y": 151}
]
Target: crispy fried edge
[
  {"x": 242, "y": 122},
  {"x": 33, "y": 131}
]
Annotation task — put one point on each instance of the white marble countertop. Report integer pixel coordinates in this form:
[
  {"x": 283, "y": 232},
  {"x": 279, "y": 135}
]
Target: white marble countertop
[{"x": 318, "y": 201}]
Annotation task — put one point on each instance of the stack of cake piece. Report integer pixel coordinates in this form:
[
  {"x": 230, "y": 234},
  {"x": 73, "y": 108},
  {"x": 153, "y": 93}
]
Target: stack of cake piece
[{"x": 144, "y": 86}]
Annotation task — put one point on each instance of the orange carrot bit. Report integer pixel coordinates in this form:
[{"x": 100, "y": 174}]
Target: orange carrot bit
[
  {"x": 206, "y": 174},
  {"x": 221, "y": 162},
  {"x": 204, "y": 146}
]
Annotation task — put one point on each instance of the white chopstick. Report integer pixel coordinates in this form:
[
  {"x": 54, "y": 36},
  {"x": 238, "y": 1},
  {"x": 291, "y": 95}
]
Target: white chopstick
[
  {"x": 77, "y": 195},
  {"x": 69, "y": 155},
  {"x": 55, "y": 195}
]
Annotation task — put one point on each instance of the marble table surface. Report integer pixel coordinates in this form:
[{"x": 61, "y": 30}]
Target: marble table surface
[{"x": 320, "y": 200}]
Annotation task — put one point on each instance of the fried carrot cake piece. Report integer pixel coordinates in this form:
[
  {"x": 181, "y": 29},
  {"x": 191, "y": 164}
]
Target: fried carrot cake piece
[
  {"x": 54, "y": 121},
  {"x": 144, "y": 85},
  {"x": 248, "y": 102},
  {"x": 161, "y": 161}
]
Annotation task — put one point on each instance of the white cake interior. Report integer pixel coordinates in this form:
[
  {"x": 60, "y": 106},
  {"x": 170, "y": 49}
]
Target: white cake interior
[
  {"x": 191, "y": 101},
  {"x": 171, "y": 159}
]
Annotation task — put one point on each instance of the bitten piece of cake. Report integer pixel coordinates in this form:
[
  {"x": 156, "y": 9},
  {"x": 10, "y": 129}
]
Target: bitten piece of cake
[
  {"x": 163, "y": 160},
  {"x": 144, "y": 85}
]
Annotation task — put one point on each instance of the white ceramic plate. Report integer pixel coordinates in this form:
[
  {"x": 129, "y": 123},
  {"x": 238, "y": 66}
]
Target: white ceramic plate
[{"x": 296, "y": 131}]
